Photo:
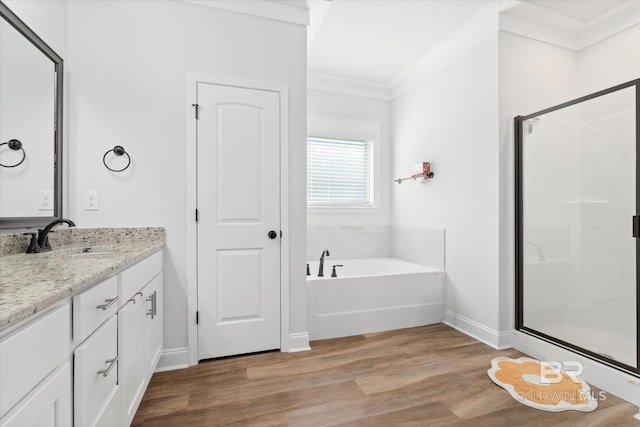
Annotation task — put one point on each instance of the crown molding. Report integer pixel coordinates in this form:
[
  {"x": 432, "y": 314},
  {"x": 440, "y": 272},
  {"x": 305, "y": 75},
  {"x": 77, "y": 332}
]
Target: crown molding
[
  {"x": 532, "y": 30},
  {"x": 620, "y": 19},
  {"x": 551, "y": 27},
  {"x": 337, "y": 84},
  {"x": 261, "y": 8}
]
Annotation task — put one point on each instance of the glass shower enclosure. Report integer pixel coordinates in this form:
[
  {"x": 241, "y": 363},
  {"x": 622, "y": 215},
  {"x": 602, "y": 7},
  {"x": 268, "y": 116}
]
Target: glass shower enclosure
[{"x": 577, "y": 188}]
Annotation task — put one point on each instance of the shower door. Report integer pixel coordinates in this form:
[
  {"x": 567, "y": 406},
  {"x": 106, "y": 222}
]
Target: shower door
[{"x": 576, "y": 225}]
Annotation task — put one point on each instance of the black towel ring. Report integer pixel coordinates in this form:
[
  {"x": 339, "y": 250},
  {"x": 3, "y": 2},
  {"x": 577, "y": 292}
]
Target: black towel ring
[
  {"x": 15, "y": 145},
  {"x": 118, "y": 150}
]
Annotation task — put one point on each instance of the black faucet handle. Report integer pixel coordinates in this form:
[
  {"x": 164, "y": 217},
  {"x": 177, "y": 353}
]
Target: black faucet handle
[
  {"x": 333, "y": 271},
  {"x": 33, "y": 245}
]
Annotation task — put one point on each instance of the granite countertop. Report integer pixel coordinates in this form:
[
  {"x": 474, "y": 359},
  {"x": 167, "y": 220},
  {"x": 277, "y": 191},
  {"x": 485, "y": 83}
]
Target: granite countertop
[{"x": 30, "y": 283}]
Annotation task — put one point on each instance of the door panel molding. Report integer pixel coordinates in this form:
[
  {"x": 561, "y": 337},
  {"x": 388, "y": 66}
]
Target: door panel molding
[{"x": 287, "y": 340}]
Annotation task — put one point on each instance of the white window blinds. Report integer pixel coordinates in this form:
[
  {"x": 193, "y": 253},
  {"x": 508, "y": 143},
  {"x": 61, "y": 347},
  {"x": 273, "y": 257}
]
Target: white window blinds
[{"x": 338, "y": 172}]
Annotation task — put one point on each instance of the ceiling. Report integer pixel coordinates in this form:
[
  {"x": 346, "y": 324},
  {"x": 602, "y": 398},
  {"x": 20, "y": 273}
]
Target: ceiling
[
  {"x": 374, "y": 41},
  {"x": 584, "y": 11}
]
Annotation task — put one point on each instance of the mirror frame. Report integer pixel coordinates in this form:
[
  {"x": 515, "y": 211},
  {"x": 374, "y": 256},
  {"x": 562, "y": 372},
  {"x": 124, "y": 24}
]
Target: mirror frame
[{"x": 30, "y": 35}]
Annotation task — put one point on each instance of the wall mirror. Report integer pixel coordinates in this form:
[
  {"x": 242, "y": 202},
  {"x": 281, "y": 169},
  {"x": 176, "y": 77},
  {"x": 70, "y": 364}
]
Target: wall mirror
[{"x": 31, "y": 78}]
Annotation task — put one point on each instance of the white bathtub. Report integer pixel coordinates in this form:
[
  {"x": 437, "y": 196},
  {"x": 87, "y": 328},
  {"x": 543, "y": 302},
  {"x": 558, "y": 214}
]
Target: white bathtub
[{"x": 372, "y": 295}]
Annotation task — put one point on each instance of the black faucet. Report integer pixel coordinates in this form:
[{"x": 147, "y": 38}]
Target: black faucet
[
  {"x": 41, "y": 244},
  {"x": 333, "y": 272},
  {"x": 321, "y": 269}
]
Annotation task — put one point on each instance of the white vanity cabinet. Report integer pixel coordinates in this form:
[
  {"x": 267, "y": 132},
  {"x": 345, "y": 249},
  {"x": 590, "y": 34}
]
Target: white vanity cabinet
[
  {"x": 35, "y": 371},
  {"x": 140, "y": 326},
  {"x": 87, "y": 360}
]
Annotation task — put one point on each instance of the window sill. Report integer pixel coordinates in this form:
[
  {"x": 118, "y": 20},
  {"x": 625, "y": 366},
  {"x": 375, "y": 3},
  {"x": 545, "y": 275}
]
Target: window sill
[{"x": 341, "y": 210}]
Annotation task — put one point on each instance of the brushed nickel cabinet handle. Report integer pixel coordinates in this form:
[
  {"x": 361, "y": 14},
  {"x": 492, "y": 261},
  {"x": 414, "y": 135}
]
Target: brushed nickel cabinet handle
[
  {"x": 112, "y": 363},
  {"x": 155, "y": 303},
  {"x": 151, "y": 310},
  {"x": 108, "y": 303}
]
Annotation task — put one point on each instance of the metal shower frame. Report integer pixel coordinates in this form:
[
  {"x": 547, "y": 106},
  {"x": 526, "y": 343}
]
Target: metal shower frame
[{"x": 519, "y": 235}]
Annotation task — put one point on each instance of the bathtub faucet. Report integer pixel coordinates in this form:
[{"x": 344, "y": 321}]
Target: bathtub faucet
[{"x": 321, "y": 269}]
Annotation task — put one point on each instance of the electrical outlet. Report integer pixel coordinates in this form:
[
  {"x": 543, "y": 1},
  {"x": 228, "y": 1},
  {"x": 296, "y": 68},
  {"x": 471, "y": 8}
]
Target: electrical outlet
[
  {"x": 91, "y": 201},
  {"x": 45, "y": 200}
]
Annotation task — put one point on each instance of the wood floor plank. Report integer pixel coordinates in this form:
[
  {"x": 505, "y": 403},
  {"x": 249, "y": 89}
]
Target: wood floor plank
[
  {"x": 430, "y": 414},
  {"x": 426, "y": 376}
]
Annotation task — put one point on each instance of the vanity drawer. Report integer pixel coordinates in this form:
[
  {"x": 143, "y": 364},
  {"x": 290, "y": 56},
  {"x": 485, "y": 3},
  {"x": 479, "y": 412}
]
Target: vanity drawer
[
  {"x": 95, "y": 374},
  {"x": 93, "y": 306},
  {"x": 30, "y": 354},
  {"x": 135, "y": 277}
]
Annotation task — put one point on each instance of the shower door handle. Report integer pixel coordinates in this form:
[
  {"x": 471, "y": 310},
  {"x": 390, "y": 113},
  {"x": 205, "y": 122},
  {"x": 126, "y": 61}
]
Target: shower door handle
[{"x": 636, "y": 226}]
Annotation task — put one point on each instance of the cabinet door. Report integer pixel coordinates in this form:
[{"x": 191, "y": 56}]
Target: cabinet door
[
  {"x": 48, "y": 405},
  {"x": 95, "y": 374},
  {"x": 152, "y": 324},
  {"x": 131, "y": 338},
  {"x": 24, "y": 364}
]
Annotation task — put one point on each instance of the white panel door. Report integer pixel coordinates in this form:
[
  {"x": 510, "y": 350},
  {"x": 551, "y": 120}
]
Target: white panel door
[{"x": 238, "y": 150}]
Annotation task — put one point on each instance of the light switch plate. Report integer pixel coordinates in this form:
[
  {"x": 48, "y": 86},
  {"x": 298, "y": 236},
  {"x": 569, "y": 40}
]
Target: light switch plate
[
  {"x": 45, "y": 200},
  {"x": 91, "y": 200}
]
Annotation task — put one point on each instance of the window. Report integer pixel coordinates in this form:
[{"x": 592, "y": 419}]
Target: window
[{"x": 339, "y": 172}]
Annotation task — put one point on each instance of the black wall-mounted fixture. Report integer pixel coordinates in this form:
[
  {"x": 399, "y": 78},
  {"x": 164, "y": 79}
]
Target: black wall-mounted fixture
[
  {"x": 15, "y": 145},
  {"x": 118, "y": 150}
]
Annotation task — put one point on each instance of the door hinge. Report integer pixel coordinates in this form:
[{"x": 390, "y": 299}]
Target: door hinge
[
  {"x": 197, "y": 215},
  {"x": 197, "y": 317},
  {"x": 636, "y": 226},
  {"x": 196, "y": 106}
]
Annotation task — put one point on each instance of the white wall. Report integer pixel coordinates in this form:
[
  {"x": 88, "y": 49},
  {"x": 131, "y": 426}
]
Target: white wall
[
  {"x": 127, "y": 79},
  {"x": 47, "y": 18},
  {"x": 354, "y": 235},
  {"x": 450, "y": 121},
  {"x": 610, "y": 62}
]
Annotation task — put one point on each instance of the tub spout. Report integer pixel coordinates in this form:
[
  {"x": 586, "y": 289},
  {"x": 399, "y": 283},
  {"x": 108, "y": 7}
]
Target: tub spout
[{"x": 321, "y": 269}]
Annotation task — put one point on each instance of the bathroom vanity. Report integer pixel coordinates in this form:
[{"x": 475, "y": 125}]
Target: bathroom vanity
[{"x": 80, "y": 327}]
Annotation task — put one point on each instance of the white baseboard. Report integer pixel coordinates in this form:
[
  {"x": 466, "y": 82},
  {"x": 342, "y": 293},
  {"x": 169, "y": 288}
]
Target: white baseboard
[
  {"x": 172, "y": 359},
  {"x": 485, "y": 334},
  {"x": 611, "y": 380},
  {"x": 296, "y": 342}
]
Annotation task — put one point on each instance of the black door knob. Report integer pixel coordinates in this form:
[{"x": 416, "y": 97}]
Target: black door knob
[{"x": 272, "y": 234}]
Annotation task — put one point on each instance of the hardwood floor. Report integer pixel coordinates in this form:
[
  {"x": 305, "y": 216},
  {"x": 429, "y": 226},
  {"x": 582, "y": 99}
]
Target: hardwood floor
[{"x": 426, "y": 376}]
